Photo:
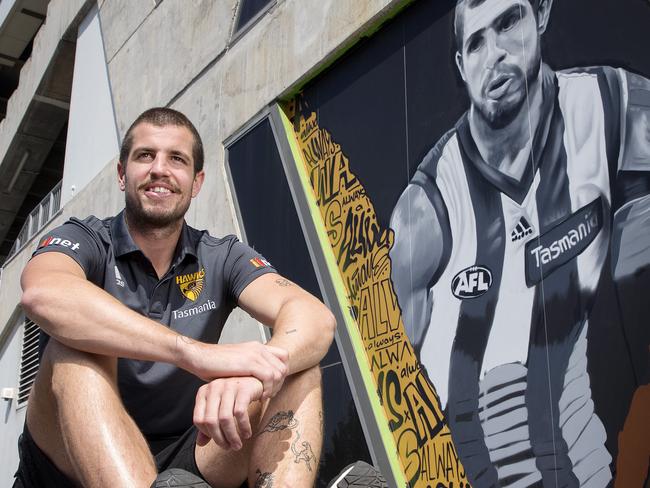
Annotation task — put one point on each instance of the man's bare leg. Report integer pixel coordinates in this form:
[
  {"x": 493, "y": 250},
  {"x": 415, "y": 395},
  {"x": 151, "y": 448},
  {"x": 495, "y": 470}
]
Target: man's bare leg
[
  {"x": 285, "y": 448},
  {"x": 77, "y": 418}
]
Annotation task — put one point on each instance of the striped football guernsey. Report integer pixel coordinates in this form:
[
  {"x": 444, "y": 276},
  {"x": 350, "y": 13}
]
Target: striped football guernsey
[{"x": 507, "y": 339}]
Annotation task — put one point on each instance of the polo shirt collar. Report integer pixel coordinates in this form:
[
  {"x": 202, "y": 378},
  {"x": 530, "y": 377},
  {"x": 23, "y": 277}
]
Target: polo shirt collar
[
  {"x": 123, "y": 242},
  {"x": 186, "y": 245}
]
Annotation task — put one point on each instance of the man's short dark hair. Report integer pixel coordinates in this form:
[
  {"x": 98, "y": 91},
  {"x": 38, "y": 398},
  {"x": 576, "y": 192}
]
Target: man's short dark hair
[
  {"x": 458, "y": 18},
  {"x": 161, "y": 117}
]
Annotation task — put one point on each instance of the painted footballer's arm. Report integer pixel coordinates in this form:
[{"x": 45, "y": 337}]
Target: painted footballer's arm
[
  {"x": 631, "y": 199},
  {"x": 416, "y": 255},
  {"x": 636, "y": 129}
]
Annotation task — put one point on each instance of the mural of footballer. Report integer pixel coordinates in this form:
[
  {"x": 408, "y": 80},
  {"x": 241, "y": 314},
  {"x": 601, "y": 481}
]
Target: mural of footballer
[{"x": 509, "y": 227}]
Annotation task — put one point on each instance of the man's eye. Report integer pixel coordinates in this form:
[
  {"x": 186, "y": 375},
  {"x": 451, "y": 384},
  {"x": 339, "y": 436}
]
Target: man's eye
[
  {"x": 475, "y": 44},
  {"x": 145, "y": 156},
  {"x": 178, "y": 159},
  {"x": 509, "y": 21}
]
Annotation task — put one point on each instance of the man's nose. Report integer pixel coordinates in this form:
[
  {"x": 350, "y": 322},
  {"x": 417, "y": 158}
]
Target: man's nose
[
  {"x": 495, "y": 53},
  {"x": 160, "y": 164}
]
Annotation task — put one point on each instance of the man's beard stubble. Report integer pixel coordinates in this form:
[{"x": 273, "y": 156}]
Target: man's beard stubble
[{"x": 144, "y": 219}]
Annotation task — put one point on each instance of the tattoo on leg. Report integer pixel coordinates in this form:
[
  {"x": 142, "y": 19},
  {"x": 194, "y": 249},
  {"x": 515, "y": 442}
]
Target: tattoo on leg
[
  {"x": 302, "y": 451},
  {"x": 283, "y": 282},
  {"x": 280, "y": 421},
  {"x": 264, "y": 480}
]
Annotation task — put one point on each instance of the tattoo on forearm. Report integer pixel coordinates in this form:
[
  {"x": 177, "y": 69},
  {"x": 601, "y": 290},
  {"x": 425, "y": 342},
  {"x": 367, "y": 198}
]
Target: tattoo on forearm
[
  {"x": 283, "y": 282},
  {"x": 184, "y": 339},
  {"x": 302, "y": 451},
  {"x": 291, "y": 331},
  {"x": 264, "y": 480}
]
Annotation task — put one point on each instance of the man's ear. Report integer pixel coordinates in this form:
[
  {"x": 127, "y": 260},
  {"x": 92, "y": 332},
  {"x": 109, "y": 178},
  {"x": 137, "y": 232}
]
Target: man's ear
[
  {"x": 459, "y": 64},
  {"x": 197, "y": 183},
  {"x": 543, "y": 14},
  {"x": 121, "y": 177}
]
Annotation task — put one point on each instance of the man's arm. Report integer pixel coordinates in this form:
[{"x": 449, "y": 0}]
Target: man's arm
[
  {"x": 301, "y": 324},
  {"x": 636, "y": 127},
  {"x": 631, "y": 194},
  {"x": 416, "y": 255},
  {"x": 74, "y": 311}
]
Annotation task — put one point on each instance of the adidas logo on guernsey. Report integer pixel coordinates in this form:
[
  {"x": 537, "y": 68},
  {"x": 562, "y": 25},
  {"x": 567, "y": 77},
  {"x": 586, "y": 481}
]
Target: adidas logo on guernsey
[{"x": 521, "y": 230}]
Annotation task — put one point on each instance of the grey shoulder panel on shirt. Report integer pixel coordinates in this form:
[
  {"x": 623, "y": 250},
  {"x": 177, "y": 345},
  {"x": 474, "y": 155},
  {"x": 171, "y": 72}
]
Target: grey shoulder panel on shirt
[
  {"x": 204, "y": 237},
  {"x": 92, "y": 224}
]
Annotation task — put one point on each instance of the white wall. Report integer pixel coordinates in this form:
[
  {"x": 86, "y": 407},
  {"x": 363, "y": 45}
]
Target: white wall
[
  {"x": 92, "y": 133},
  {"x": 11, "y": 418}
]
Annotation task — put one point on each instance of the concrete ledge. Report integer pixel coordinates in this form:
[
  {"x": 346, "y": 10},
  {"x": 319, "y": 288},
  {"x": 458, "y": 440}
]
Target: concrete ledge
[{"x": 62, "y": 17}]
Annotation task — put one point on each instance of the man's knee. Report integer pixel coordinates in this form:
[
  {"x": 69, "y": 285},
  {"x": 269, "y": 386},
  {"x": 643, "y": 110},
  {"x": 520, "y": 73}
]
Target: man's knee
[{"x": 70, "y": 369}]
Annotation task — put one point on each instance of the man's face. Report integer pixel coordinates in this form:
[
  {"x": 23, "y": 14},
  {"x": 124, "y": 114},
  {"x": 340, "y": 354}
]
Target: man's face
[
  {"x": 159, "y": 180},
  {"x": 499, "y": 57}
]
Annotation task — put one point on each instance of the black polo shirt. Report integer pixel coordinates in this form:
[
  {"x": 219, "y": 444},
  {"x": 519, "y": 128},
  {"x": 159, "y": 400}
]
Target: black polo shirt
[{"x": 193, "y": 298}]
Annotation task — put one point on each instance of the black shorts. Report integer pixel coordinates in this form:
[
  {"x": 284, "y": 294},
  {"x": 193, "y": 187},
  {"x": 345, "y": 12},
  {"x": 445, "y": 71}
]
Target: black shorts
[{"x": 37, "y": 471}]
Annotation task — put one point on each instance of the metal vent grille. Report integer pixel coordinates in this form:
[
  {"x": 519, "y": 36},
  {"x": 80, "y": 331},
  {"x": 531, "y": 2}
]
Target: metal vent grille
[{"x": 28, "y": 361}]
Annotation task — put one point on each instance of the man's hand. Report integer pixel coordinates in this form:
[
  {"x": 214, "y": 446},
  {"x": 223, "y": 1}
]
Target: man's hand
[
  {"x": 268, "y": 364},
  {"x": 221, "y": 411}
]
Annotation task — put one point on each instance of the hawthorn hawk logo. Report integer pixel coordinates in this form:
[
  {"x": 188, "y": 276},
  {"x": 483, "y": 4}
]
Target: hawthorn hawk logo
[{"x": 191, "y": 284}]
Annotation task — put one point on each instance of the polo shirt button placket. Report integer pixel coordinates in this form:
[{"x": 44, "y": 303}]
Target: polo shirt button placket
[{"x": 156, "y": 308}]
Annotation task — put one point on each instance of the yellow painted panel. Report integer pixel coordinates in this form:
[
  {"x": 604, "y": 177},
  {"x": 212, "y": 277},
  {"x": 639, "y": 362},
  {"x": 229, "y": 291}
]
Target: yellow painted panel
[{"x": 407, "y": 405}]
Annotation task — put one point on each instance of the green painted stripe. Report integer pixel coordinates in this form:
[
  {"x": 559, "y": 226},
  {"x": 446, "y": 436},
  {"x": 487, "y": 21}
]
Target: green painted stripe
[{"x": 341, "y": 295}]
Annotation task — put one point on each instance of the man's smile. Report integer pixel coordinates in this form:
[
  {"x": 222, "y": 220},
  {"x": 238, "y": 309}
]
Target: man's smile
[{"x": 158, "y": 190}]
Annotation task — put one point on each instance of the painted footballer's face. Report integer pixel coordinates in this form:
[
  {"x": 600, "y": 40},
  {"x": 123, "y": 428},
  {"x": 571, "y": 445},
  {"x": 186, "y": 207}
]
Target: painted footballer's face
[
  {"x": 499, "y": 57},
  {"x": 158, "y": 179}
]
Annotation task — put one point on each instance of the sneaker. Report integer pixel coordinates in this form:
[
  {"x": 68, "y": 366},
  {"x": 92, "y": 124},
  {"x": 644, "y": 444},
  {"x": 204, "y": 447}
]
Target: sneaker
[
  {"x": 178, "y": 478},
  {"x": 359, "y": 475}
]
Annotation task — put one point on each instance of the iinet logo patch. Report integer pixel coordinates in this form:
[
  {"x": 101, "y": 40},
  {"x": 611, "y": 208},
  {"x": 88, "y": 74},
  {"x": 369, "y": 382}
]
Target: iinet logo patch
[{"x": 57, "y": 241}]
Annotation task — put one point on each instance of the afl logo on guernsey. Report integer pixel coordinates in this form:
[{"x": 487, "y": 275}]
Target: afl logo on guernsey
[{"x": 471, "y": 282}]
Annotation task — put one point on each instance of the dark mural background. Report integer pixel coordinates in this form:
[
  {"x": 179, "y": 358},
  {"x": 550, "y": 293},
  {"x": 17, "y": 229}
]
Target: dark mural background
[{"x": 383, "y": 107}]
